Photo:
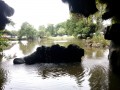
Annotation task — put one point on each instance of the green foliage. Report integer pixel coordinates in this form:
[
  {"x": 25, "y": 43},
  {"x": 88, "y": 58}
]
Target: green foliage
[
  {"x": 61, "y": 31},
  {"x": 3, "y": 78},
  {"x": 82, "y": 27},
  {"x": 50, "y": 29},
  {"x": 14, "y": 33},
  {"x": 70, "y": 26},
  {"x": 60, "y": 25},
  {"x": 99, "y": 38},
  {"x": 86, "y": 30},
  {"x": 27, "y": 31},
  {"x": 98, "y": 16},
  {"x": 41, "y": 31},
  {"x": 3, "y": 41}
]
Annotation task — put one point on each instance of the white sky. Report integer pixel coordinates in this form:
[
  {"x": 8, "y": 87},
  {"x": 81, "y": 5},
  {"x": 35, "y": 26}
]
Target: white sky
[{"x": 38, "y": 12}]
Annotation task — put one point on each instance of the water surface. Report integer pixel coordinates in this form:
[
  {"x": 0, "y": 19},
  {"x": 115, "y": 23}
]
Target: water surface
[{"x": 91, "y": 74}]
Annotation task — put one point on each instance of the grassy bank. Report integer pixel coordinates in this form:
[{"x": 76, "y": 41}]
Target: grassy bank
[
  {"x": 97, "y": 41},
  {"x": 61, "y": 38}
]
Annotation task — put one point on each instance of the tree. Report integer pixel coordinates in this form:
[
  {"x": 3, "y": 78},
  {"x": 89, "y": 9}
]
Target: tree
[
  {"x": 61, "y": 31},
  {"x": 60, "y": 28},
  {"x": 27, "y": 31},
  {"x": 98, "y": 16},
  {"x": 12, "y": 23},
  {"x": 41, "y": 31},
  {"x": 13, "y": 33},
  {"x": 50, "y": 29},
  {"x": 77, "y": 25},
  {"x": 72, "y": 24}
]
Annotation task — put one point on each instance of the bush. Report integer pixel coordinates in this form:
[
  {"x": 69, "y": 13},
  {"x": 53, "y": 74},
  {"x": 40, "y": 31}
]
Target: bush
[{"x": 99, "y": 38}]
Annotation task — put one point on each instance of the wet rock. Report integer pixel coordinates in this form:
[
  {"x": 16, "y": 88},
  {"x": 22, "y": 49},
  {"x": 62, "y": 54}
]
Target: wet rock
[
  {"x": 114, "y": 57},
  {"x": 113, "y": 33},
  {"x": 5, "y": 11},
  {"x": 55, "y": 54},
  {"x": 84, "y": 7},
  {"x": 31, "y": 59},
  {"x": 18, "y": 61}
]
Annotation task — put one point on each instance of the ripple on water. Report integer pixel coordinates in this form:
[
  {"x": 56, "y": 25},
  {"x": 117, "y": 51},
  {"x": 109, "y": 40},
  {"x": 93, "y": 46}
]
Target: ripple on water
[
  {"x": 97, "y": 71},
  {"x": 91, "y": 74}
]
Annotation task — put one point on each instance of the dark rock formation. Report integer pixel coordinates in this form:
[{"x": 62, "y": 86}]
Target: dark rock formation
[
  {"x": 53, "y": 54},
  {"x": 18, "y": 61},
  {"x": 84, "y": 7},
  {"x": 5, "y": 11},
  {"x": 114, "y": 57},
  {"x": 113, "y": 33}
]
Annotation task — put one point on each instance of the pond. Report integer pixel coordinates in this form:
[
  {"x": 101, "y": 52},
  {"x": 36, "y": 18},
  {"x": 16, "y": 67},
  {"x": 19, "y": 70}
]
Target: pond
[{"x": 91, "y": 74}]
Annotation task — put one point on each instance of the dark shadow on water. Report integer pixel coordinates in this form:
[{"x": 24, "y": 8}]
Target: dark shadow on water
[{"x": 114, "y": 81}]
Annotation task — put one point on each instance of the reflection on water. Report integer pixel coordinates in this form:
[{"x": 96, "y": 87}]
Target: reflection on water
[
  {"x": 92, "y": 74},
  {"x": 3, "y": 76},
  {"x": 27, "y": 47},
  {"x": 95, "y": 53}
]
